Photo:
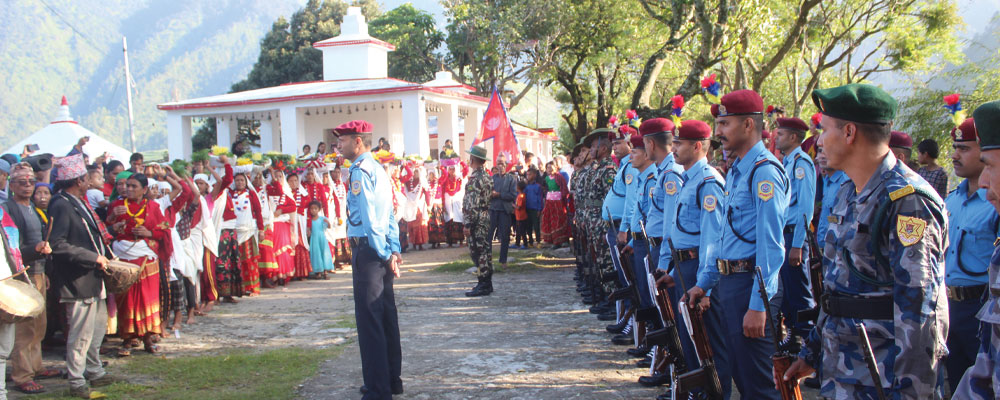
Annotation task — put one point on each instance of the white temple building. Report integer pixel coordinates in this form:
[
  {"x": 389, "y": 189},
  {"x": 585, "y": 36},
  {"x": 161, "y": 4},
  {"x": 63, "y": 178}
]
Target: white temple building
[
  {"x": 59, "y": 137},
  {"x": 416, "y": 118}
]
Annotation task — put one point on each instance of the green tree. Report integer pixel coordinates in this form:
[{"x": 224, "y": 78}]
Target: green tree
[{"x": 416, "y": 38}]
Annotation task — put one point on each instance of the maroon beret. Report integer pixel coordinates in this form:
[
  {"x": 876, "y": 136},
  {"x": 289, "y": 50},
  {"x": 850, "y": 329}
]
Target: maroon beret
[
  {"x": 765, "y": 134},
  {"x": 637, "y": 142},
  {"x": 966, "y": 132},
  {"x": 355, "y": 127},
  {"x": 657, "y": 126},
  {"x": 793, "y": 124},
  {"x": 739, "y": 102},
  {"x": 900, "y": 139},
  {"x": 694, "y": 130},
  {"x": 625, "y": 132}
]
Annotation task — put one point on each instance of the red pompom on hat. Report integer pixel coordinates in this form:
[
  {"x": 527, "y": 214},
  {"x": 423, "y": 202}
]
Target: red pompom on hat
[
  {"x": 966, "y": 132},
  {"x": 356, "y": 127},
  {"x": 739, "y": 102},
  {"x": 816, "y": 119},
  {"x": 900, "y": 139},
  {"x": 637, "y": 142},
  {"x": 657, "y": 126},
  {"x": 694, "y": 130},
  {"x": 792, "y": 123}
]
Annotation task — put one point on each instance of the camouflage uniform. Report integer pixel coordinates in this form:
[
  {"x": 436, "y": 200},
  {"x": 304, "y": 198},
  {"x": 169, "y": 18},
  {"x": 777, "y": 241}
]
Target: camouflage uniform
[
  {"x": 598, "y": 185},
  {"x": 475, "y": 210},
  {"x": 982, "y": 380},
  {"x": 908, "y": 280},
  {"x": 579, "y": 248},
  {"x": 584, "y": 211}
]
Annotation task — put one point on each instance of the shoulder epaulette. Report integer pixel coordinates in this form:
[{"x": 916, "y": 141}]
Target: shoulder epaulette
[{"x": 896, "y": 194}]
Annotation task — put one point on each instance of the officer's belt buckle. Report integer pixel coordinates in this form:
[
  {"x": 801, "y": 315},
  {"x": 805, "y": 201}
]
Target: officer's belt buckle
[
  {"x": 638, "y": 236},
  {"x": 963, "y": 293},
  {"x": 729, "y": 267},
  {"x": 687, "y": 254},
  {"x": 357, "y": 241},
  {"x": 655, "y": 241}
]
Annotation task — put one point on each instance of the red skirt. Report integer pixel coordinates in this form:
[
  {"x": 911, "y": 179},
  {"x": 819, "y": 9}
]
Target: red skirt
[
  {"x": 303, "y": 266},
  {"x": 435, "y": 227},
  {"x": 342, "y": 251},
  {"x": 267, "y": 262},
  {"x": 455, "y": 232},
  {"x": 139, "y": 307},
  {"x": 248, "y": 266},
  {"x": 208, "y": 292},
  {"x": 555, "y": 229},
  {"x": 417, "y": 230},
  {"x": 284, "y": 252}
]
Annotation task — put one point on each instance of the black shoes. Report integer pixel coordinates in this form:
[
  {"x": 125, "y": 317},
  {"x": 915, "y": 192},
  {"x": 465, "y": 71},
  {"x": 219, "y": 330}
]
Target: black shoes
[
  {"x": 638, "y": 352},
  {"x": 625, "y": 339},
  {"x": 654, "y": 380},
  {"x": 483, "y": 288},
  {"x": 609, "y": 315},
  {"x": 617, "y": 328},
  {"x": 645, "y": 362}
]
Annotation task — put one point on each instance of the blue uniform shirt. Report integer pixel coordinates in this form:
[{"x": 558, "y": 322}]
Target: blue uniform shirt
[
  {"x": 646, "y": 179},
  {"x": 697, "y": 211},
  {"x": 972, "y": 228},
  {"x": 754, "y": 217},
  {"x": 831, "y": 184},
  {"x": 369, "y": 210},
  {"x": 657, "y": 197},
  {"x": 631, "y": 187},
  {"x": 801, "y": 175},
  {"x": 614, "y": 200}
]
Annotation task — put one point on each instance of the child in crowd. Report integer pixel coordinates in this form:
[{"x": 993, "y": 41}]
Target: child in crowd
[
  {"x": 535, "y": 202},
  {"x": 95, "y": 192},
  {"x": 521, "y": 217},
  {"x": 319, "y": 248}
]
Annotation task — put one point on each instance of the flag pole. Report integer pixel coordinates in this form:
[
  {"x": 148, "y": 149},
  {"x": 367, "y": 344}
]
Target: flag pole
[{"x": 128, "y": 95}]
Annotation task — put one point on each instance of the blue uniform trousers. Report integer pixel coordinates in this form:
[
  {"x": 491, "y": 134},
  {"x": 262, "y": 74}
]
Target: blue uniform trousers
[
  {"x": 639, "y": 251},
  {"x": 378, "y": 323},
  {"x": 796, "y": 294},
  {"x": 963, "y": 344},
  {"x": 612, "y": 238},
  {"x": 713, "y": 326},
  {"x": 750, "y": 358}
]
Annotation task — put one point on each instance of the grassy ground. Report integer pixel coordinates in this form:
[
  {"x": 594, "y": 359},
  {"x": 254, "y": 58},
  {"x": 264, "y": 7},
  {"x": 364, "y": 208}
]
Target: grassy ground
[
  {"x": 236, "y": 374},
  {"x": 517, "y": 261}
]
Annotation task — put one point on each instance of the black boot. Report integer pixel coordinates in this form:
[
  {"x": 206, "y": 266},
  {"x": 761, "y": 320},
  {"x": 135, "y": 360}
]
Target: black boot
[
  {"x": 474, "y": 292},
  {"x": 484, "y": 288}
]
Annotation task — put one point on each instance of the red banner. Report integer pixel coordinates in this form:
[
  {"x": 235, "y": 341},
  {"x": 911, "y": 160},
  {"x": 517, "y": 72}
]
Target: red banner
[{"x": 497, "y": 126}]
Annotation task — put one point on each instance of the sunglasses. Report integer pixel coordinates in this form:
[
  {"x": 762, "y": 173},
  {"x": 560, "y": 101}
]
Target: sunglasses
[{"x": 25, "y": 182}]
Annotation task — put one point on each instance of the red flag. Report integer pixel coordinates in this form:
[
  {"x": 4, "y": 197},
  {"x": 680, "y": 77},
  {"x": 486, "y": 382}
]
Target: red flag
[{"x": 497, "y": 126}]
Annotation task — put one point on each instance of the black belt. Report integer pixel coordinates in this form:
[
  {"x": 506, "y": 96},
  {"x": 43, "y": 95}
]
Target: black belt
[
  {"x": 655, "y": 241},
  {"x": 638, "y": 236},
  {"x": 357, "y": 241},
  {"x": 995, "y": 291},
  {"x": 836, "y": 305},
  {"x": 683, "y": 255},
  {"x": 963, "y": 293},
  {"x": 728, "y": 267},
  {"x": 789, "y": 228}
]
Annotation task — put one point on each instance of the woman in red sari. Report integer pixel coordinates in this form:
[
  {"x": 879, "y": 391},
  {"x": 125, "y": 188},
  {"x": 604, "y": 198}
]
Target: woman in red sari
[
  {"x": 228, "y": 276},
  {"x": 267, "y": 264},
  {"x": 303, "y": 265},
  {"x": 555, "y": 228},
  {"x": 249, "y": 222},
  {"x": 283, "y": 203},
  {"x": 142, "y": 238}
]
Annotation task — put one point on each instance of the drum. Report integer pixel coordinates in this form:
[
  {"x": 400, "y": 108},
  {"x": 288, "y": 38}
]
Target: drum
[
  {"x": 120, "y": 275},
  {"x": 19, "y": 301}
]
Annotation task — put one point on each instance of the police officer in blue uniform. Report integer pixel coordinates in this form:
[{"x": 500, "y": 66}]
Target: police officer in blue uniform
[
  {"x": 972, "y": 228},
  {"x": 637, "y": 246},
  {"x": 613, "y": 209},
  {"x": 754, "y": 200},
  {"x": 831, "y": 180},
  {"x": 796, "y": 294},
  {"x": 374, "y": 240}
]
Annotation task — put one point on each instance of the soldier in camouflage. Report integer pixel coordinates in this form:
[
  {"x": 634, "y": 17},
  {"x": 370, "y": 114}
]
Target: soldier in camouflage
[
  {"x": 580, "y": 159},
  {"x": 982, "y": 380},
  {"x": 475, "y": 210},
  {"x": 598, "y": 184},
  {"x": 884, "y": 259}
]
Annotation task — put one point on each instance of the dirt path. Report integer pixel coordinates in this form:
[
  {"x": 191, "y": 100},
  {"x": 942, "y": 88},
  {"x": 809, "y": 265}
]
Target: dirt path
[{"x": 531, "y": 339}]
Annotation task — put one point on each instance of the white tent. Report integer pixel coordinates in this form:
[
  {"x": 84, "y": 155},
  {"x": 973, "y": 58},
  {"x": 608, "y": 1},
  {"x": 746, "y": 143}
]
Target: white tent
[{"x": 59, "y": 137}]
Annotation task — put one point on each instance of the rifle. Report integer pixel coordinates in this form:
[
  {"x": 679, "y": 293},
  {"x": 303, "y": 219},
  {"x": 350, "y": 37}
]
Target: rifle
[
  {"x": 866, "y": 348},
  {"x": 706, "y": 376},
  {"x": 815, "y": 275},
  {"x": 667, "y": 337},
  {"x": 630, "y": 291},
  {"x": 781, "y": 360}
]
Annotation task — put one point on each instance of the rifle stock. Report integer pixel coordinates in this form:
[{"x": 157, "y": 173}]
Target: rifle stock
[
  {"x": 781, "y": 360},
  {"x": 815, "y": 275},
  {"x": 706, "y": 377},
  {"x": 866, "y": 348}
]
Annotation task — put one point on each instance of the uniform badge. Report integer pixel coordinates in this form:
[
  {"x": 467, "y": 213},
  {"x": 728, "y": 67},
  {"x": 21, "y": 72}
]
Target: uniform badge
[
  {"x": 628, "y": 179},
  {"x": 356, "y": 187},
  {"x": 670, "y": 188},
  {"x": 765, "y": 190},
  {"x": 709, "y": 203},
  {"x": 910, "y": 229},
  {"x": 800, "y": 173},
  {"x": 896, "y": 194},
  {"x": 722, "y": 109}
]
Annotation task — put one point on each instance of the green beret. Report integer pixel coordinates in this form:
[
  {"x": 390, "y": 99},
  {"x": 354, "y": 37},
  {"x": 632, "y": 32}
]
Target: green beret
[
  {"x": 856, "y": 102},
  {"x": 987, "y": 119}
]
